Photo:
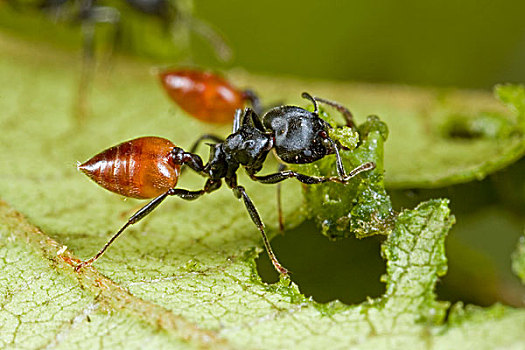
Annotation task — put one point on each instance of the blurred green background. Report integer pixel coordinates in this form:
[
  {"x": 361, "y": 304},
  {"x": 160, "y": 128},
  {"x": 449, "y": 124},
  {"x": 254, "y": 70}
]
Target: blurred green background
[
  {"x": 446, "y": 43},
  {"x": 473, "y": 44},
  {"x": 467, "y": 44}
]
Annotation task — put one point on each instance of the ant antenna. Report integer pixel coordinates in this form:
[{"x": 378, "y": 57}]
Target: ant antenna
[
  {"x": 254, "y": 100},
  {"x": 309, "y": 97},
  {"x": 349, "y": 118}
]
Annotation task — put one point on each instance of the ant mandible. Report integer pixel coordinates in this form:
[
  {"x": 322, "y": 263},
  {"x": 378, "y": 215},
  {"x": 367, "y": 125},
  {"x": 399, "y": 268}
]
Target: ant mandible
[{"x": 149, "y": 167}]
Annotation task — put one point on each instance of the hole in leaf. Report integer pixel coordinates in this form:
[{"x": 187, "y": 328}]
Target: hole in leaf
[
  {"x": 348, "y": 270},
  {"x": 486, "y": 125}
]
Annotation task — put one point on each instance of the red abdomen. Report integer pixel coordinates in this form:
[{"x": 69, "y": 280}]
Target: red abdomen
[
  {"x": 139, "y": 168},
  {"x": 204, "y": 95}
]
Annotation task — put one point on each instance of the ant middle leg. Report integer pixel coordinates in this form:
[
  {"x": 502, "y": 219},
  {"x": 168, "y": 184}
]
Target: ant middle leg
[{"x": 210, "y": 186}]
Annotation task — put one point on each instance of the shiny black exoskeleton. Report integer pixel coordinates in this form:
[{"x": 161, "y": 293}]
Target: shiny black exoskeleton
[{"x": 297, "y": 135}]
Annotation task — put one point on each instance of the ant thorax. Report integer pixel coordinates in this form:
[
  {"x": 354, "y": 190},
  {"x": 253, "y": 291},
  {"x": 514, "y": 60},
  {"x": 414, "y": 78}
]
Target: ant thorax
[{"x": 248, "y": 146}]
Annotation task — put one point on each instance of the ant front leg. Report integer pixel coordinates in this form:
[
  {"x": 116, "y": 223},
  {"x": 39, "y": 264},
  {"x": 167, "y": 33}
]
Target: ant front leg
[
  {"x": 211, "y": 185},
  {"x": 311, "y": 180},
  {"x": 281, "y": 168},
  {"x": 240, "y": 192}
]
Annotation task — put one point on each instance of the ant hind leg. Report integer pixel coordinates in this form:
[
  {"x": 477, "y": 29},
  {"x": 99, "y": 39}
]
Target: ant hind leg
[
  {"x": 240, "y": 192},
  {"x": 147, "y": 209}
]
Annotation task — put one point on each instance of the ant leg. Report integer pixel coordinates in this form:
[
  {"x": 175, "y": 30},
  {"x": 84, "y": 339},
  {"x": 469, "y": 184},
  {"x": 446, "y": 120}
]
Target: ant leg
[
  {"x": 240, "y": 192},
  {"x": 140, "y": 214},
  {"x": 81, "y": 108},
  {"x": 349, "y": 118},
  {"x": 210, "y": 186},
  {"x": 194, "y": 161},
  {"x": 339, "y": 162},
  {"x": 279, "y": 204},
  {"x": 90, "y": 15},
  {"x": 197, "y": 143},
  {"x": 250, "y": 117},
  {"x": 221, "y": 49},
  {"x": 343, "y": 177},
  {"x": 251, "y": 96},
  {"x": 204, "y": 137},
  {"x": 311, "y": 180}
]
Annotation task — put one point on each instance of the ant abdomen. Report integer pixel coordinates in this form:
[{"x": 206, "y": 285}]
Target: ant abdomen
[
  {"x": 204, "y": 95},
  {"x": 139, "y": 168}
]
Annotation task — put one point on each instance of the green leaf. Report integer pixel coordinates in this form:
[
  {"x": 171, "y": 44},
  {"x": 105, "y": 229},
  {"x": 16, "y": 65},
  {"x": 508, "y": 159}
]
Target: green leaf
[
  {"x": 415, "y": 254},
  {"x": 514, "y": 97},
  {"x": 424, "y": 149},
  {"x": 361, "y": 207},
  {"x": 518, "y": 259},
  {"x": 185, "y": 276}
]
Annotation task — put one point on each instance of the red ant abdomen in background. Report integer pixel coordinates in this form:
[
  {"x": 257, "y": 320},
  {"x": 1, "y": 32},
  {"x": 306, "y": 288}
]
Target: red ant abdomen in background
[
  {"x": 139, "y": 168},
  {"x": 205, "y": 96}
]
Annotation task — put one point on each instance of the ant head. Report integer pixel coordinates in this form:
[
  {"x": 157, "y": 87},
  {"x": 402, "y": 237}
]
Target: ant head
[{"x": 300, "y": 135}]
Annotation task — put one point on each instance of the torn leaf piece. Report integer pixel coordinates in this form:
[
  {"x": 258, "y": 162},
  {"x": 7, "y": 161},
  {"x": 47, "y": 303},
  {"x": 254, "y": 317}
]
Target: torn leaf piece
[
  {"x": 415, "y": 254},
  {"x": 362, "y": 206}
]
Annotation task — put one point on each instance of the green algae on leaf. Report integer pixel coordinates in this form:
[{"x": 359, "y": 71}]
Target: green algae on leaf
[{"x": 361, "y": 207}]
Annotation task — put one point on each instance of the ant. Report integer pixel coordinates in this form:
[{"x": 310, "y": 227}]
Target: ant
[
  {"x": 173, "y": 16},
  {"x": 149, "y": 167},
  {"x": 206, "y": 96}
]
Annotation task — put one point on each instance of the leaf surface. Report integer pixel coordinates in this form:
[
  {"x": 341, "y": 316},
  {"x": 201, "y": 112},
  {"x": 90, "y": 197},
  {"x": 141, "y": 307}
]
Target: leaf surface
[{"x": 186, "y": 275}]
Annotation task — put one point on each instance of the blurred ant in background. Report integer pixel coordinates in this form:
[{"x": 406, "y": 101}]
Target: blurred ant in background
[
  {"x": 174, "y": 16},
  {"x": 207, "y": 96}
]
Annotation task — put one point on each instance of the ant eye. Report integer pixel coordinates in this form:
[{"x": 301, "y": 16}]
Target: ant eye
[{"x": 323, "y": 134}]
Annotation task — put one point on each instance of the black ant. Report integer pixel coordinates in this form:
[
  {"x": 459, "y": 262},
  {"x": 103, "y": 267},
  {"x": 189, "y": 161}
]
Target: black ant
[{"x": 149, "y": 167}]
